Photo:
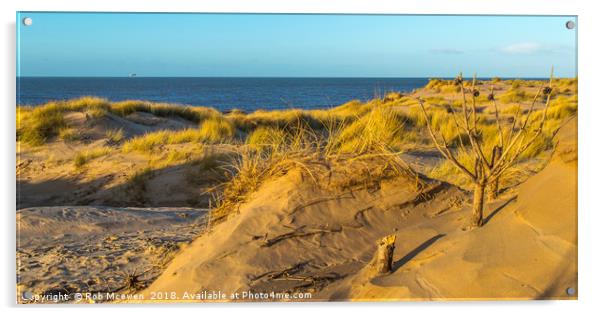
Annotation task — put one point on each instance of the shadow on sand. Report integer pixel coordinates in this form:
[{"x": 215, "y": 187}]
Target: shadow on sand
[
  {"x": 410, "y": 255},
  {"x": 498, "y": 209}
]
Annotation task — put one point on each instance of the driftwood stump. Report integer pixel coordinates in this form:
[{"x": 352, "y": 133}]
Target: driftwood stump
[{"x": 382, "y": 263}]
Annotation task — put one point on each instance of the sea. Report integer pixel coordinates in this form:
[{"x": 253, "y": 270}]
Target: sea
[{"x": 224, "y": 94}]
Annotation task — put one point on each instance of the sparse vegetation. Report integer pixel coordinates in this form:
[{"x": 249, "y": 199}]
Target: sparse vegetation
[
  {"x": 148, "y": 143},
  {"x": 254, "y": 147},
  {"x": 274, "y": 151},
  {"x": 69, "y": 134},
  {"x": 114, "y": 136},
  {"x": 335, "y": 177},
  {"x": 83, "y": 157},
  {"x": 514, "y": 96},
  {"x": 213, "y": 130}
]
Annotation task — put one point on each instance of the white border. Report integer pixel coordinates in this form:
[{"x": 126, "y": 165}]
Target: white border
[{"x": 590, "y": 113}]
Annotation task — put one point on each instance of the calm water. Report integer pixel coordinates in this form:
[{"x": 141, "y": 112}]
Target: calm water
[{"x": 221, "y": 93}]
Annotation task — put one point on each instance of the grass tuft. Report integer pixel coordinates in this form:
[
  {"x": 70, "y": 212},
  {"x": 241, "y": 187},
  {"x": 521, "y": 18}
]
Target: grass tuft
[
  {"x": 217, "y": 129},
  {"x": 36, "y": 126},
  {"x": 381, "y": 128},
  {"x": 81, "y": 158},
  {"x": 114, "y": 136}
]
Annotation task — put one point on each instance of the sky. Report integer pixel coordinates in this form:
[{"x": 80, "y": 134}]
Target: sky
[{"x": 274, "y": 45}]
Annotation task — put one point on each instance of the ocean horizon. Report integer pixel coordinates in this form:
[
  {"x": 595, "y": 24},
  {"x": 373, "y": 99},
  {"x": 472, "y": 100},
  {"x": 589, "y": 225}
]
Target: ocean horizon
[{"x": 222, "y": 93}]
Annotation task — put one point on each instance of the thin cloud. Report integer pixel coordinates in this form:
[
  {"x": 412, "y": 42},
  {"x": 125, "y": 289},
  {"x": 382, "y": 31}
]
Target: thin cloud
[
  {"x": 446, "y": 51},
  {"x": 525, "y": 48}
]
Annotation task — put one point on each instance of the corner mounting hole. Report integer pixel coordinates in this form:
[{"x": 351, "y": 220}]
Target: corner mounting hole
[
  {"x": 570, "y": 291},
  {"x": 27, "y": 21},
  {"x": 570, "y": 25}
]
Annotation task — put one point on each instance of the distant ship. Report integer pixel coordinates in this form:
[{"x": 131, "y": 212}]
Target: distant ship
[{"x": 132, "y": 75}]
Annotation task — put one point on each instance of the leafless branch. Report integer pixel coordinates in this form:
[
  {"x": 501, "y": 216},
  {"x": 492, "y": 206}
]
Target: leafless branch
[{"x": 444, "y": 149}]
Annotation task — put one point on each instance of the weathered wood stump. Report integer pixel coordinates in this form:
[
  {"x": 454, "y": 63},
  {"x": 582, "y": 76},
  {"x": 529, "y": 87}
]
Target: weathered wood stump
[{"x": 382, "y": 263}]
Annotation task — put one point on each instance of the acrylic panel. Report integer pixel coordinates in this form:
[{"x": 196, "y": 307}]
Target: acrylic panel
[{"x": 196, "y": 157}]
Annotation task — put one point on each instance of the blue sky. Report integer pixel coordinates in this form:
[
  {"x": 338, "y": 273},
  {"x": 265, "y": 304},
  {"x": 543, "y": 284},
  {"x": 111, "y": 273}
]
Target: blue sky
[{"x": 247, "y": 45}]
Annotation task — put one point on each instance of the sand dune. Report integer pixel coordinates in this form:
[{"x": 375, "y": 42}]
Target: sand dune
[
  {"x": 136, "y": 221},
  {"x": 46, "y": 175},
  {"x": 307, "y": 240}
]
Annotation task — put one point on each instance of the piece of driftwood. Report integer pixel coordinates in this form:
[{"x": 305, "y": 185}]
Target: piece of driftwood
[{"x": 382, "y": 263}]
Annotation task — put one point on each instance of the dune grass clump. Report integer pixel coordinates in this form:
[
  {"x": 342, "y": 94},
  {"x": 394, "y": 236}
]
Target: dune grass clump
[
  {"x": 434, "y": 83},
  {"x": 217, "y": 129},
  {"x": 83, "y": 157},
  {"x": 273, "y": 152},
  {"x": 392, "y": 96},
  {"x": 512, "y": 109},
  {"x": 539, "y": 146},
  {"x": 35, "y": 126},
  {"x": 255, "y": 164},
  {"x": 514, "y": 96},
  {"x": 125, "y": 108},
  {"x": 353, "y": 107},
  {"x": 315, "y": 119},
  {"x": 343, "y": 114},
  {"x": 176, "y": 155},
  {"x": 87, "y": 102},
  {"x": 559, "y": 110},
  {"x": 439, "y": 115},
  {"x": 276, "y": 118},
  {"x": 95, "y": 113},
  {"x": 562, "y": 107},
  {"x": 567, "y": 85},
  {"x": 193, "y": 114},
  {"x": 516, "y": 83},
  {"x": 213, "y": 130},
  {"x": 382, "y": 127},
  {"x": 114, "y": 136},
  {"x": 267, "y": 137},
  {"x": 148, "y": 143},
  {"x": 68, "y": 134},
  {"x": 437, "y": 84},
  {"x": 189, "y": 135},
  {"x": 442, "y": 86}
]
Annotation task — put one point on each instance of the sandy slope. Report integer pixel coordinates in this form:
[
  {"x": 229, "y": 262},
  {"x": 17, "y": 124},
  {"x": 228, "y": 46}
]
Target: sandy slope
[
  {"x": 293, "y": 237},
  {"x": 88, "y": 249},
  {"x": 46, "y": 175}
]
